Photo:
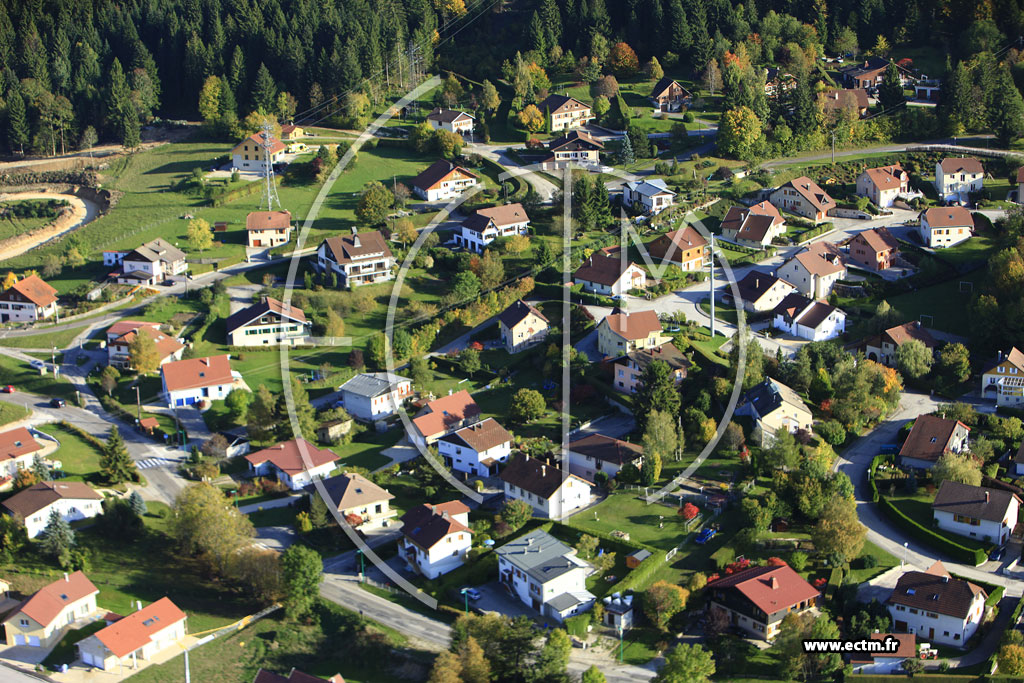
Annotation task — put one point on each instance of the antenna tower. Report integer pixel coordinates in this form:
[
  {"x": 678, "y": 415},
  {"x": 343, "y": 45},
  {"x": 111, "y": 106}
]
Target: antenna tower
[{"x": 270, "y": 190}]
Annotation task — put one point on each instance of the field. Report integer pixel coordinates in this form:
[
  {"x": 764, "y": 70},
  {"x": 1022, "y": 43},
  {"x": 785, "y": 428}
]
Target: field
[
  {"x": 9, "y": 412},
  {"x": 79, "y": 459},
  {"x": 26, "y": 378}
]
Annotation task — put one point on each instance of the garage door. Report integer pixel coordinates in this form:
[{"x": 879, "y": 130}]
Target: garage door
[
  {"x": 33, "y": 641},
  {"x": 87, "y": 658},
  {"x": 19, "y": 639}
]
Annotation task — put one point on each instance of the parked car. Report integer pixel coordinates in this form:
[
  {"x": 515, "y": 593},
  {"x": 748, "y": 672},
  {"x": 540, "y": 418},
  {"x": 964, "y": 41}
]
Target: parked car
[
  {"x": 997, "y": 554},
  {"x": 472, "y": 593},
  {"x": 8, "y": 389},
  {"x": 37, "y": 364},
  {"x": 705, "y": 535},
  {"x": 58, "y": 402}
]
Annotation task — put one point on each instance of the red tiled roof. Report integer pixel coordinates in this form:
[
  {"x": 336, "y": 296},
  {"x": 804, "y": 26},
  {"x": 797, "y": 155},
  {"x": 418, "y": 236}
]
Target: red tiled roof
[
  {"x": 35, "y": 290},
  {"x": 127, "y": 635},
  {"x": 275, "y": 146},
  {"x": 438, "y": 415},
  {"x": 46, "y": 604},
  {"x": 948, "y": 217},
  {"x": 17, "y": 442},
  {"x": 268, "y": 220},
  {"x": 878, "y": 239},
  {"x": 887, "y": 177},
  {"x": 437, "y": 172},
  {"x": 633, "y": 326},
  {"x": 771, "y": 589},
  {"x": 812, "y": 192},
  {"x": 929, "y": 438},
  {"x": 165, "y": 345},
  {"x": 197, "y": 372},
  {"x": 961, "y": 165},
  {"x": 287, "y": 456}
]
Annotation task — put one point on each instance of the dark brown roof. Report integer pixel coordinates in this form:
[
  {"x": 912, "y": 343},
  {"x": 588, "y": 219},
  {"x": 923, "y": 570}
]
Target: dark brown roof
[
  {"x": 792, "y": 305},
  {"x": 480, "y": 436},
  {"x": 979, "y": 502},
  {"x": 961, "y": 165},
  {"x": 602, "y": 269},
  {"x": 607, "y": 449},
  {"x": 535, "y": 476},
  {"x": 835, "y": 99},
  {"x": 506, "y": 214},
  {"x": 684, "y": 240},
  {"x": 343, "y": 249},
  {"x": 770, "y": 588},
  {"x": 816, "y": 314},
  {"x": 514, "y": 314},
  {"x": 812, "y": 192},
  {"x": 257, "y": 311},
  {"x": 878, "y": 239},
  {"x": 437, "y": 172},
  {"x": 936, "y": 591},
  {"x": 901, "y": 334},
  {"x": 749, "y": 224},
  {"x": 667, "y": 353},
  {"x": 575, "y": 140},
  {"x": 556, "y": 104},
  {"x": 756, "y": 284},
  {"x": 929, "y": 438},
  {"x": 664, "y": 84},
  {"x": 446, "y": 115},
  {"x": 428, "y": 524},
  {"x": 29, "y": 501}
]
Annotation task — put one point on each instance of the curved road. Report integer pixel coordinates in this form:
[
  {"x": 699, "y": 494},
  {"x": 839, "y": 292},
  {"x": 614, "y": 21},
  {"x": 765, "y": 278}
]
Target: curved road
[{"x": 82, "y": 212}]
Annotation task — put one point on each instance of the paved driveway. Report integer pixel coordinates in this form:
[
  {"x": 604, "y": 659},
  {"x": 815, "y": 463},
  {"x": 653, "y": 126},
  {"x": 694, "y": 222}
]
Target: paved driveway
[{"x": 494, "y": 598}]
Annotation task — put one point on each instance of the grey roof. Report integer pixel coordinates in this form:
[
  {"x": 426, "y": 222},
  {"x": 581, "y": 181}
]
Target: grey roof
[
  {"x": 769, "y": 395},
  {"x": 540, "y": 555},
  {"x": 157, "y": 250},
  {"x": 649, "y": 188},
  {"x": 371, "y": 384},
  {"x": 979, "y": 502},
  {"x": 567, "y": 601}
]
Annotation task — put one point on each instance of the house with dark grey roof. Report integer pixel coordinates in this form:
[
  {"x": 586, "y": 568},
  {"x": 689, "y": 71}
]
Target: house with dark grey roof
[
  {"x": 552, "y": 492},
  {"x": 435, "y": 538},
  {"x": 451, "y": 120},
  {"x": 808, "y": 319},
  {"x": 521, "y": 326},
  {"x": 149, "y": 264},
  {"x": 371, "y": 396},
  {"x": 774, "y": 406},
  {"x": 599, "y": 453},
  {"x": 761, "y": 292},
  {"x": 268, "y": 323},
  {"x": 937, "y": 607},
  {"x": 979, "y": 512},
  {"x": 545, "y": 574},
  {"x": 476, "y": 449},
  {"x": 652, "y": 196}
]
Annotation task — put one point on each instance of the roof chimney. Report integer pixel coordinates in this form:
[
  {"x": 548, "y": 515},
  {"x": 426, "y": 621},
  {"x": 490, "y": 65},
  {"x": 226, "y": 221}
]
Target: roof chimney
[
  {"x": 986, "y": 496},
  {"x": 66, "y": 577},
  {"x": 138, "y": 605},
  {"x": 544, "y": 472},
  {"x": 773, "y": 583}
]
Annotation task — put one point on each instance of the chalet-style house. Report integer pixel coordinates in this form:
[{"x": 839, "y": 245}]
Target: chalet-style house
[
  {"x": 435, "y": 538},
  {"x": 979, "y": 512},
  {"x": 362, "y": 258},
  {"x": 73, "y": 500},
  {"x": 287, "y": 462},
  {"x": 359, "y": 501},
  {"x": 28, "y": 300},
  {"x": 774, "y": 406},
  {"x": 268, "y": 323},
  {"x": 854, "y": 99},
  {"x": 874, "y": 249},
  {"x": 451, "y": 120},
  {"x": 545, "y": 574},
  {"x": 761, "y": 292},
  {"x": 930, "y": 437},
  {"x": 290, "y": 132},
  {"x": 630, "y": 368},
  {"x": 685, "y": 247},
  {"x": 372, "y": 396},
  {"x": 268, "y": 228},
  {"x": 869, "y": 73},
  {"x": 150, "y": 264},
  {"x": 565, "y": 112},
  {"x": 668, "y": 96},
  {"x": 42, "y": 619},
  {"x": 121, "y": 334},
  {"x": 814, "y": 271},
  {"x": 552, "y": 492},
  {"x": 886, "y": 662},
  {"x": 758, "y": 598},
  {"x": 476, "y": 449},
  {"x": 754, "y": 226},
  {"x": 945, "y": 226},
  {"x": 599, "y": 453},
  {"x": 197, "y": 379},
  {"x": 650, "y": 196},
  {"x": 777, "y": 82},
  {"x": 442, "y": 416},
  {"x": 883, "y": 185},
  {"x": 609, "y": 275},
  {"x": 808, "y": 319},
  {"x": 522, "y": 326},
  {"x": 957, "y": 177},
  {"x": 250, "y": 155},
  {"x": 1004, "y": 379},
  {"x": 937, "y": 607},
  {"x": 18, "y": 450},
  {"x": 443, "y": 180},
  {"x": 140, "y": 636},
  {"x": 622, "y": 332},
  {"x": 803, "y": 197},
  {"x": 575, "y": 147},
  {"x": 486, "y": 225},
  {"x": 882, "y": 348}
]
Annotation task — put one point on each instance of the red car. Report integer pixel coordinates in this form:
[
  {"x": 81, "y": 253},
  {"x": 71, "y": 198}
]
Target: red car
[{"x": 8, "y": 389}]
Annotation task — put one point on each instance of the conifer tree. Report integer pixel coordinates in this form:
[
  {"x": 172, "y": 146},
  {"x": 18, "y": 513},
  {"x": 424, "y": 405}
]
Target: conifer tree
[{"x": 116, "y": 465}]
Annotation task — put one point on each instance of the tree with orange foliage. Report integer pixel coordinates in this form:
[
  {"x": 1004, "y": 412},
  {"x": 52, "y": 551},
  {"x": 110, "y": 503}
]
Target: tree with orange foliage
[{"x": 623, "y": 60}]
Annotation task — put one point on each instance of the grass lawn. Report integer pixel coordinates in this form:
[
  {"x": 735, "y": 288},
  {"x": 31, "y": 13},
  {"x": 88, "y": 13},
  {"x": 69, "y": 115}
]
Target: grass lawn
[
  {"x": 627, "y": 511},
  {"x": 722, "y": 311},
  {"x": 26, "y": 378},
  {"x": 883, "y": 559},
  {"x": 946, "y": 305},
  {"x": 65, "y": 652},
  {"x": 919, "y": 508},
  {"x": 45, "y": 340},
  {"x": 11, "y": 226},
  {"x": 10, "y": 412},
  {"x": 79, "y": 459},
  {"x": 280, "y": 516},
  {"x": 364, "y": 449}
]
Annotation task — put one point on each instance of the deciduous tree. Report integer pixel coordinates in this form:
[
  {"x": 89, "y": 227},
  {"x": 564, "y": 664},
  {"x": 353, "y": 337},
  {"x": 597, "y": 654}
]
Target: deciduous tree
[
  {"x": 374, "y": 203},
  {"x": 300, "y": 569},
  {"x": 914, "y": 359},
  {"x": 686, "y": 663},
  {"x": 205, "y": 524},
  {"x": 143, "y": 353},
  {"x": 526, "y": 405},
  {"x": 959, "y": 467},
  {"x": 839, "y": 532},
  {"x": 662, "y": 601},
  {"x": 200, "y": 236}
]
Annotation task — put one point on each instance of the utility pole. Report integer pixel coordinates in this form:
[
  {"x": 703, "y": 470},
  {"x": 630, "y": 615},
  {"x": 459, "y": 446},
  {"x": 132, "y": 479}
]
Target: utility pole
[
  {"x": 138, "y": 403},
  {"x": 270, "y": 192},
  {"x": 711, "y": 291},
  {"x": 833, "y": 148},
  {"x": 188, "y": 678}
]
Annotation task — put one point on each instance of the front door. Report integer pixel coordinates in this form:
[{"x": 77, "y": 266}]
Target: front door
[
  {"x": 931, "y": 633},
  {"x": 901, "y": 627}
]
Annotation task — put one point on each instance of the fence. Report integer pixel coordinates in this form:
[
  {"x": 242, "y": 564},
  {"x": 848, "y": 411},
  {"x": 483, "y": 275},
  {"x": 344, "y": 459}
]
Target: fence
[{"x": 957, "y": 149}]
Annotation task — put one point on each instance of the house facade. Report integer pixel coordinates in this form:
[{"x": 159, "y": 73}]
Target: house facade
[
  {"x": 443, "y": 416},
  {"x": 623, "y": 332},
  {"x": 668, "y": 96},
  {"x": 265, "y": 229},
  {"x": 250, "y": 155},
  {"x": 930, "y": 437},
  {"x": 42, "y": 620},
  {"x": 195, "y": 380},
  {"x": 628, "y": 369},
  {"x": 268, "y": 323},
  {"x": 870, "y": 72},
  {"x": 803, "y": 197},
  {"x": 361, "y": 258},
  {"x": 883, "y": 185},
  {"x": 18, "y": 450},
  {"x": 476, "y": 449},
  {"x": 486, "y": 225},
  {"x": 945, "y": 226},
  {"x": 609, "y": 275},
  {"x": 287, "y": 462},
  {"x": 372, "y": 396},
  {"x": 565, "y": 112},
  {"x": 754, "y": 226},
  {"x": 123, "y": 333},
  {"x": 359, "y": 501},
  {"x": 575, "y": 147},
  {"x": 882, "y": 349},
  {"x": 521, "y": 326},
  {"x": 957, "y": 177},
  {"x": 814, "y": 272},
  {"x": 545, "y": 574},
  {"x": 149, "y": 264},
  {"x": 937, "y": 607},
  {"x": 435, "y": 538},
  {"x": 140, "y": 636},
  {"x": 443, "y": 180},
  {"x": 28, "y": 300},
  {"x": 808, "y": 319},
  {"x": 552, "y": 493},
  {"x": 291, "y": 132},
  {"x": 73, "y": 500},
  {"x": 451, "y": 120},
  {"x": 774, "y": 406},
  {"x": 599, "y": 453},
  {"x": 685, "y": 247},
  {"x": 978, "y": 512},
  {"x": 650, "y": 196},
  {"x": 1004, "y": 380},
  {"x": 761, "y": 292},
  {"x": 757, "y": 599},
  {"x": 874, "y": 249}
]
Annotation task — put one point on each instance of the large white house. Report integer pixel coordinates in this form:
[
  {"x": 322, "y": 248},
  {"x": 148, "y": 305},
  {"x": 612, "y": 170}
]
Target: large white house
[
  {"x": 937, "y": 607},
  {"x": 197, "y": 379},
  {"x": 551, "y": 492},
  {"x": 609, "y": 275},
  {"x": 18, "y": 450},
  {"x": 268, "y": 323},
  {"x": 250, "y": 154},
  {"x": 149, "y": 264},
  {"x": 486, "y": 225},
  {"x": 945, "y": 226},
  {"x": 371, "y": 396},
  {"x": 286, "y": 461},
  {"x": 977, "y": 512},
  {"x": 443, "y": 180},
  {"x": 599, "y": 453},
  {"x": 29, "y": 299},
  {"x": 651, "y": 196},
  {"x": 476, "y": 449},
  {"x": 142, "y": 635},
  {"x": 957, "y": 177},
  {"x": 73, "y": 500},
  {"x": 435, "y": 538},
  {"x": 362, "y": 258},
  {"x": 545, "y": 574},
  {"x": 884, "y": 184},
  {"x": 814, "y": 271},
  {"x": 451, "y": 120},
  {"x": 813, "y": 320}
]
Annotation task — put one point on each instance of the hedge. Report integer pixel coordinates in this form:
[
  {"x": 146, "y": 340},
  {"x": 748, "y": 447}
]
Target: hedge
[
  {"x": 931, "y": 678},
  {"x": 639, "y": 579},
  {"x": 577, "y": 626},
  {"x": 959, "y": 552}
]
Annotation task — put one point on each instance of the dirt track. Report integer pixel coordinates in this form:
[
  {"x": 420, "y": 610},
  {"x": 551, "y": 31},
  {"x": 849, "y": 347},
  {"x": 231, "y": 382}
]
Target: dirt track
[{"x": 82, "y": 211}]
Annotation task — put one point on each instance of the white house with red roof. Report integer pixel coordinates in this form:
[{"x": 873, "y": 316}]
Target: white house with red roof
[
  {"x": 803, "y": 197},
  {"x": 758, "y": 598},
  {"x": 442, "y": 416},
  {"x": 443, "y": 180},
  {"x": 41, "y": 620},
  {"x": 197, "y": 379},
  {"x": 936, "y": 606},
  {"x": 248, "y": 155},
  {"x": 140, "y": 636},
  {"x": 269, "y": 322},
  {"x": 287, "y": 461},
  {"x": 29, "y": 299},
  {"x": 361, "y": 258},
  {"x": 476, "y": 449},
  {"x": 957, "y": 177},
  {"x": 883, "y": 185},
  {"x": 18, "y": 449},
  {"x": 121, "y": 334},
  {"x": 435, "y": 538}
]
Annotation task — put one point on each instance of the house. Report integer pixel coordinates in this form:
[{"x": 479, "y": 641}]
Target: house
[
  {"x": 73, "y": 500},
  {"x": 251, "y": 153},
  {"x": 651, "y": 196},
  {"x": 435, "y": 538},
  {"x": 121, "y": 334},
  {"x": 1005, "y": 379},
  {"x": 667, "y": 95},
  {"x": 622, "y": 332},
  {"x": 803, "y": 197},
  {"x": 758, "y": 598},
  {"x": 630, "y": 368},
  {"x": 761, "y": 292},
  {"x": 930, "y": 437},
  {"x": 774, "y": 406},
  {"x": 808, "y": 318},
  {"x": 29, "y": 299},
  {"x": 18, "y": 450},
  {"x": 358, "y": 500},
  {"x": 545, "y": 574},
  {"x": 551, "y": 492},
  {"x": 618, "y": 609},
  {"x": 268, "y": 228},
  {"x": 854, "y": 99},
  {"x": 777, "y": 82},
  {"x": 944, "y": 226},
  {"x": 957, "y": 177},
  {"x": 874, "y": 249},
  {"x": 296, "y": 676},
  {"x": 142, "y": 635},
  {"x": 882, "y": 349},
  {"x": 295, "y": 463},
  {"x": 332, "y": 430},
  {"x": 565, "y": 112},
  {"x": 476, "y": 449},
  {"x": 870, "y": 73},
  {"x": 372, "y": 396},
  {"x": 753, "y": 227},
  {"x": 40, "y": 621},
  {"x": 362, "y": 258},
  {"x": 685, "y": 247},
  {"x": 814, "y": 271},
  {"x": 268, "y": 323},
  {"x": 443, "y": 180},
  {"x": 575, "y": 147},
  {"x": 898, "y": 647},
  {"x": 486, "y": 225},
  {"x": 937, "y": 607},
  {"x": 149, "y": 264},
  {"x": 443, "y": 415},
  {"x": 884, "y": 184},
  {"x": 977, "y": 512},
  {"x": 451, "y": 120},
  {"x": 609, "y": 275},
  {"x": 290, "y": 132},
  {"x": 599, "y": 453},
  {"x": 197, "y": 379},
  {"x": 521, "y": 326}
]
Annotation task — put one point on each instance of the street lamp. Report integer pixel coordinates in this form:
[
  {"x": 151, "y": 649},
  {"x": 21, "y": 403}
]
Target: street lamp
[
  {"x": 620, "y": 640},
  {"x": 362, "y": 564},
  {"x": 465, "y": 594},
  {"x": 906, "y": 545}
]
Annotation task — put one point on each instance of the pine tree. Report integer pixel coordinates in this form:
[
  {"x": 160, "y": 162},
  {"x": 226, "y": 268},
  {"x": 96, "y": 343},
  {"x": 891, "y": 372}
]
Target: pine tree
[
  {"x": 236, "y": 73},
  {"x": 17, "y": 124},
  {"x": 1007, "y": 112},
  {"x": 57, "y": 538},
  {"x": 116, "y": 465},
  {"x": 264, "y": 90},
  {"x": 890, "y": 92},
  {"x": 627, "y": 151},
  {"x": 137, "y": 504},
  {"x": 40, "y": 469}
]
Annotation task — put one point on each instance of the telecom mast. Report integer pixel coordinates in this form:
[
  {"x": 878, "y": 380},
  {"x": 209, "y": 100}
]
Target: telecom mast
[{"x": 270, "y": 191}]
